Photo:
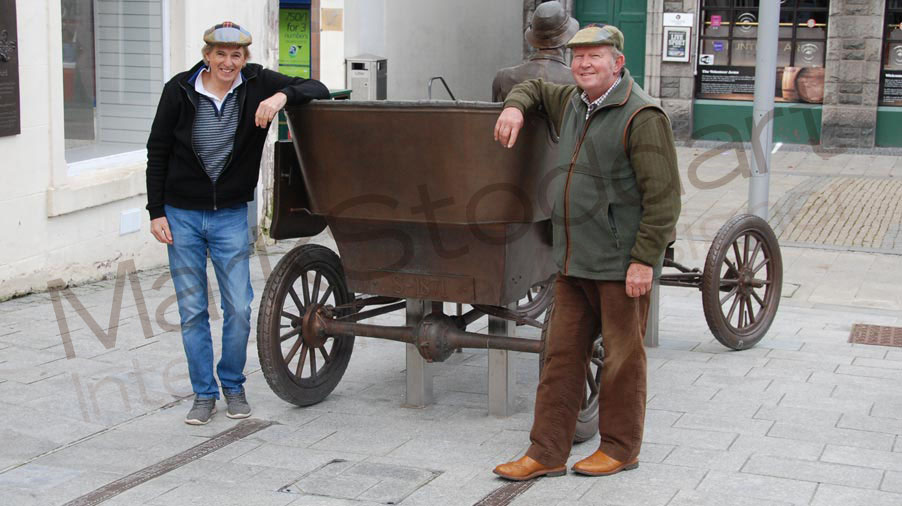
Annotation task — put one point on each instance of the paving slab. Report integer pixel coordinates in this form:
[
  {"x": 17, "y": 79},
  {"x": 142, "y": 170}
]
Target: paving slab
[
  {"x": 836, "y": 495},
  {"x": 816, "y": 472},
  {"x": 694, "y": 498},
  {"x": 752, "y": 486},
  {"x": 220, "y": 494},
  {"x": 841, "y": 453}
]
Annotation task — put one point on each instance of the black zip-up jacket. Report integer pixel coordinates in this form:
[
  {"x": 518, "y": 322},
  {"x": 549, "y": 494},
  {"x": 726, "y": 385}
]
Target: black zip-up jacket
[{"x": 175, "y": 175}]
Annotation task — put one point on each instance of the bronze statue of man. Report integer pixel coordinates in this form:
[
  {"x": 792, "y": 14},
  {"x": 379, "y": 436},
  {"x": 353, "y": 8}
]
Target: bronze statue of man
[{"x": 549, "y": 30}]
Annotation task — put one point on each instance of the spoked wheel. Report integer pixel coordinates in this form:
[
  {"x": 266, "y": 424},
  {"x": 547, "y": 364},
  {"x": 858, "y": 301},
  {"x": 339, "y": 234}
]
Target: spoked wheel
[
  {"x": 742, "y": 281},
  {"x": 587, "y": 419},
  {"x": 302, "y": 371},
  {"x": 537, "y": 299}
]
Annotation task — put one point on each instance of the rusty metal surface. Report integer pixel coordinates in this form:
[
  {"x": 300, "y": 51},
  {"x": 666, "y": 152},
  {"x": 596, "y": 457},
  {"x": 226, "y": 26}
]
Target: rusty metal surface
[
  {"x": 291, "y": 205},
  {"x": 421, "y": 161},
  {"x": 492, "y": 264},
  {"x": 436, "y": 337},
  {"x": 505, "y": 494},
  {"x": 880, "y": 335},
  {"x": 422, "y": 202}
]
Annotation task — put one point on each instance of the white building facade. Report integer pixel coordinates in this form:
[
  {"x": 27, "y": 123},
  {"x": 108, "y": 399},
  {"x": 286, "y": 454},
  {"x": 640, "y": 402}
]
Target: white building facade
[{"x": 90, "y": 73}]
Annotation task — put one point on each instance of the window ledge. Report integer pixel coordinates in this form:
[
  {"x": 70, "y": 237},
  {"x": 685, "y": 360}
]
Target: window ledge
[{"x": 96, "y": 188}]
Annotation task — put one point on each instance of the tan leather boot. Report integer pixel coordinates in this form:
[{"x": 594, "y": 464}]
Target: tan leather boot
[
  {"x": 599, "y": 464},
  {"x": 527, "y": 468}
]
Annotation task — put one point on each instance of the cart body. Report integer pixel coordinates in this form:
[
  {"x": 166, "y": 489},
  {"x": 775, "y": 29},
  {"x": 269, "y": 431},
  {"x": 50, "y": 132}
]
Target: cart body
[{"x": 420, "y": 199}]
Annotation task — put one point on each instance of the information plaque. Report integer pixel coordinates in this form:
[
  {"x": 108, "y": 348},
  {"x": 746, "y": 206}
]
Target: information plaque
[{"x": 9, "y": 70}]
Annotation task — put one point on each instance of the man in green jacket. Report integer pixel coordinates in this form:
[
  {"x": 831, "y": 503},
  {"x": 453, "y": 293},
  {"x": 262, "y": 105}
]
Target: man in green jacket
[{"x": 615, "y": 209}]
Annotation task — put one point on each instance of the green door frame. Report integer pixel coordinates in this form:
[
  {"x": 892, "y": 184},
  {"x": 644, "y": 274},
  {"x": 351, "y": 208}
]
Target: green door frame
[{"x": 627, "y": 15}]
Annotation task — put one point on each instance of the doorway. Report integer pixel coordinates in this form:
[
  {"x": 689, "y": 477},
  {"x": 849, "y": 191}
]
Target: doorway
[{"x": 627, "y": 15}]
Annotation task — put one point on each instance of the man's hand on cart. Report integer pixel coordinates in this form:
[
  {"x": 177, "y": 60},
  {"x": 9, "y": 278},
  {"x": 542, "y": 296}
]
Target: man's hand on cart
[
  {"x": 268, "y": 109},
  {"x": 508, "y": 126}
]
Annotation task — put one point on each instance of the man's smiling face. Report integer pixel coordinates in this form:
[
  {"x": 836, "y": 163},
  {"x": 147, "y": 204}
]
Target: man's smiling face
[
  {"x": 226, "y": 62},
  {"x": 595, "y": 68}
]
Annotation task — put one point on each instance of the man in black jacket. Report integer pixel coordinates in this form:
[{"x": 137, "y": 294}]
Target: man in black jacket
[{"x": 203, "y": 161}]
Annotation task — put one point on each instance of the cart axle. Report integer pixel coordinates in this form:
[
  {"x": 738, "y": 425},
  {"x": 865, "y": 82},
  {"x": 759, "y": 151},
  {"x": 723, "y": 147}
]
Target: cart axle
[{"x": 436, "y": 337}]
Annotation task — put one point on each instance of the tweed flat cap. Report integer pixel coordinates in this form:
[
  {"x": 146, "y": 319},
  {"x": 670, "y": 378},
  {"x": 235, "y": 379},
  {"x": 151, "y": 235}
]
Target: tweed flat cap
[
  {"x": 228, "y": 33},
  {"x": 598, "y": 35}
]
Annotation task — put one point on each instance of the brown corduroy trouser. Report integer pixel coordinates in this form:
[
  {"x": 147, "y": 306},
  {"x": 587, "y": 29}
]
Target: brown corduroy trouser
[{"x": 582, "y": 308}]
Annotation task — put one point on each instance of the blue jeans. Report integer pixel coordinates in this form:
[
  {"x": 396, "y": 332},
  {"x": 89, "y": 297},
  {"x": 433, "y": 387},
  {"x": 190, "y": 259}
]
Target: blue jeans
[{"x": 224, "y": 233}]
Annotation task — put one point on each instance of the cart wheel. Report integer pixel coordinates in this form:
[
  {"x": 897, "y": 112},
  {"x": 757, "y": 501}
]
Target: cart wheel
[
  {"x": 587, "y": 419},
  {"x": 537, "y": 299},
  {"x": 298, "y": 373},
  {"x": 742, "y": 281}
]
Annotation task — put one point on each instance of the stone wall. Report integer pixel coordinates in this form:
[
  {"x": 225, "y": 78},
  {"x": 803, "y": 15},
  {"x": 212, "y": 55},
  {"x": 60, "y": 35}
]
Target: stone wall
[
  {"x": 673, "y": 82},
  {"x": 852, "y": 79}
]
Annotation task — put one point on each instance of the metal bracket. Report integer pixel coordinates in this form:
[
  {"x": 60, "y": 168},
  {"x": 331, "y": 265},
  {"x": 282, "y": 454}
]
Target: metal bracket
[{"x": 442, "y": 79}]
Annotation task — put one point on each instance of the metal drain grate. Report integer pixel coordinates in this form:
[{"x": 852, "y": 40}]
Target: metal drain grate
[{"x": 876, "y": 334}]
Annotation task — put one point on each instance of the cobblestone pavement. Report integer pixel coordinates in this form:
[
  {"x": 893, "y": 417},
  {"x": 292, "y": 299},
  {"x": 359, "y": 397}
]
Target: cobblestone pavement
[{"x": 94, "y": 387}]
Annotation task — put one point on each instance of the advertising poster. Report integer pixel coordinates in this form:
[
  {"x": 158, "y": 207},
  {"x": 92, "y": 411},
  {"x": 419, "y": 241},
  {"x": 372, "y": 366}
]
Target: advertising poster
[
  {"x": 294, "y": 42},
  {"x": 294, "y": 50},
  {"x": 892, "y": 87},
  {"x": 676, "y": 44},
  {"x": 794, "y": 84},
  {"x": 891, "y": 93}
]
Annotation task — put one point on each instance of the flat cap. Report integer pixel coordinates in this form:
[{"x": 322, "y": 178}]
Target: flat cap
[
  {"x": 228, "y": 33},
  {"x": 598, "y": 35}
]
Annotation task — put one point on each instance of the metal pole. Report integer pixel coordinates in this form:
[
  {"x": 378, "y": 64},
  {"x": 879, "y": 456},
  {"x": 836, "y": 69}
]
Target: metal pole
[
  {"x": 763, "y": 115},
  {"x": 419, "y": 391},
  {"x": 654, "y": 311},
  {"x": 501, "y": 370}
]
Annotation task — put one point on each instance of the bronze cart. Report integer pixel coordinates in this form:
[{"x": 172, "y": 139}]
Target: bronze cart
[{"x": 423, "y": 204}]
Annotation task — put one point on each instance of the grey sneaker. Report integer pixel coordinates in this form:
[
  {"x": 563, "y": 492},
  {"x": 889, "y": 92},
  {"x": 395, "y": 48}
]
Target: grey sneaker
[
  {"x": 201, "y": 412},
  {"x": 238, "y": 406}
]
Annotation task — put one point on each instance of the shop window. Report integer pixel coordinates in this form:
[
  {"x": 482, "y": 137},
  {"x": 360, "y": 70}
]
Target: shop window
[
  {"x": 891, "y": 75},
  {"x": 112, "y": 75},
  {"x": 729, "y": 49}
]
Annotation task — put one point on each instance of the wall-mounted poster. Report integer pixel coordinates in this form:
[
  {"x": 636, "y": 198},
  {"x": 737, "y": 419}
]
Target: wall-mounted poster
[
  {"x": 728, "y": 50},
  {"x": 294, "y": 42},
  {"x": 794, "y": 84},
  {"x": 891, "y": 74},
  {"x": 676, "y": 43},
  {"x": 10, "y": 123}
]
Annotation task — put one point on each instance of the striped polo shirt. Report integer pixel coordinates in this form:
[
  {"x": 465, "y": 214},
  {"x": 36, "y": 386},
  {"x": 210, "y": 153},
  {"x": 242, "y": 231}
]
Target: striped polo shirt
[{"x": 215, "y": 126}]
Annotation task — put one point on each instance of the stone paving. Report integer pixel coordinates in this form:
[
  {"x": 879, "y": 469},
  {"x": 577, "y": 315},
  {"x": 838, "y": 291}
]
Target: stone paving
[
  {"x": 862, "y": 212},
  {"x": 93, "y": 387}
]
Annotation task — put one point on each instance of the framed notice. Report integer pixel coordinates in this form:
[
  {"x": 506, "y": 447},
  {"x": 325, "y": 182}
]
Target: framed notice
[{"x": 676, "y": 43}]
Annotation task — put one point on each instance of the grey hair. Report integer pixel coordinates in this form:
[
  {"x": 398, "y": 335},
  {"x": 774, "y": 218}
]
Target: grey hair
[{"x": 208, "y": 48}]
